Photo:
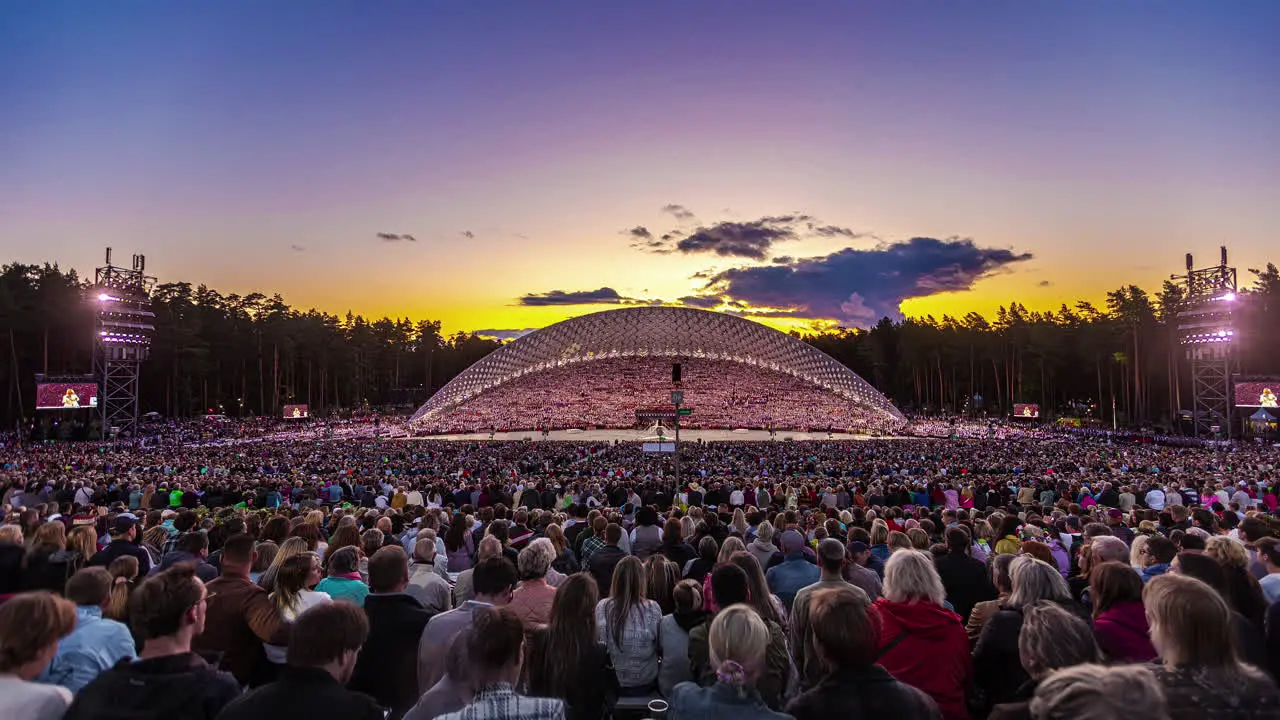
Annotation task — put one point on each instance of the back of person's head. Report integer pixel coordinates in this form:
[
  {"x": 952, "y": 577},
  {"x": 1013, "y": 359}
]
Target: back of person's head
[
  {"x": 1112, "y": 584},
  {"x": 1098, "y": 692},
  {"x": 332, "y": 633},
  {"x": 687, "y": 596},
  {"x": 910, "y": 576},
  {"x": 494, "y": 577},
  {"x": 495, "y": 644},
  {"x": 371, "y": 541},
  {"x": 167, "y": 602},
  {"x": 535, "y": 559},
  {"x": 1054, "y": 638},
  {"x": 613, "y": 533},
  {"x": 193, "y": 543},
  {"x": 729, "y": 584},
  {"x": 90, "y": 586},
  {"x": 1034, "y": 580},
  {"x": 344, "y": 561},
  {"x": 1000, "y": 569},
  {"x": 831, "y": 555},
  {"x": 844, "y": 628},
  {"x": 388, "y": 569},
  {"x": 490, "y": 547},
  {"x": 1108, "y": 548},
  {"x": 1203, "y": 568},
  {"x": 238, "y": 550},
  {"x": 708, "y": 548},
  {"x": 737, "y": 641},
  {"x": 31, "y": 624},
  {"x": 957, "y": 537},
  {"x": 1193, "y": 541},
  {"x": 1161, "y": 549},
  {"x": 1190, "y": 622}
]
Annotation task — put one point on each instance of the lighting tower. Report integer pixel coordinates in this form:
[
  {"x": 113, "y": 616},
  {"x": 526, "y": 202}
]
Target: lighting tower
[
  {"x": 1206, "y": 329},
  {"x": 123, "y": 340}
]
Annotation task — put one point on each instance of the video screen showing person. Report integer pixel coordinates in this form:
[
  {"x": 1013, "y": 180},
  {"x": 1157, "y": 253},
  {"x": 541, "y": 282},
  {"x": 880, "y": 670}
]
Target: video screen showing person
[
  {"x": 295, "y": 412},
  {"x": 1026, "y": 410},
  {"x": 1258, "y": 393},
  {"x": 66, "y": 396}
]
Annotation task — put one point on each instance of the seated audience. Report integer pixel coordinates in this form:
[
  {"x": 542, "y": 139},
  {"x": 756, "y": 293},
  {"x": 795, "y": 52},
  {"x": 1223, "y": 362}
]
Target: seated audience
[
  {"x": 738, "y": 639},
  {"x": 495, "y": 652},
  {"x": 97, "y": 643},
  {"x": 31, "y": 624}
]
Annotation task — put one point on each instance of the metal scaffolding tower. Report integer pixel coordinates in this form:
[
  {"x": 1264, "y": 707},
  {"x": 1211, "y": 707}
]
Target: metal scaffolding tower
[
  {"x": 1207, "y": 330},
  {"x": 123, "y": 341}
]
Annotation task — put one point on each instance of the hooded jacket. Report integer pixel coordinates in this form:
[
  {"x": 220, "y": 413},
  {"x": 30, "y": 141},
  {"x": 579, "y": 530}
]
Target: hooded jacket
[
  {"x": 925, "y": 646},
  {"x": 174, "y": 687}
]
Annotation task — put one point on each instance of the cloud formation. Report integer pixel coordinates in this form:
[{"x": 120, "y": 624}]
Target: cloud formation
[
  {"x": 750, "y": 239},
  {"x": 679, "y": 212},
  {"x": 859, "y": 286},
  {"x": 706, "y": 302},
  {"x": 640, "y": 232},
  {"x": 603, "y": 296},
  {"x": 297, "y": 248},
  {"x": 396, "y": 237},
  {"x": 504, "y": 334},
  {"x": 468, "y": 235}
]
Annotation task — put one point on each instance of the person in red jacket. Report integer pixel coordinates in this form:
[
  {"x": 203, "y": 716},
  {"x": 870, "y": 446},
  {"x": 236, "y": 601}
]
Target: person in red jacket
[{"x": 922, "y": 643}]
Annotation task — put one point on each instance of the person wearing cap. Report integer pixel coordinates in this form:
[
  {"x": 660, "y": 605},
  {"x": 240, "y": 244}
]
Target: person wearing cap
[
  {"x": 794, "y": 572},
  {"x": 124, "y": 535},
  {"x": 1115, "y": 520}
]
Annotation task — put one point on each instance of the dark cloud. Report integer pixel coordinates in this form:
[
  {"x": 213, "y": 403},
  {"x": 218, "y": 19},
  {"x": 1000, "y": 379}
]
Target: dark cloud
[
  {"x": 504, "y": 334},
  {"x": 468, "y": 235},
  {"x": 751, "y": 239},
  {"x": 783, "y": 260},
  {"x": 830, "y": 231},
  {"x": 640, "y": 232},
  {"x": 1046, "y": 283},
  {"x": 679, "y": 212},
  {"x": 706, "y": 302},
  {"x": 859, "y": 286},
  {"x": 297, "y": 248},
  {"x": 396, "y": 237},
  {"x": 603, "y": 296}
]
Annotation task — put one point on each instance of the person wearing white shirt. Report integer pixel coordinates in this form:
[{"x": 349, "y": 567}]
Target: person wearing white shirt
[
  {"x": 736, "y": 498},
  {"x": 414, "y": 499},
  {"x": 1155, "y": 499},
  {"x": 293, "y": 594}
]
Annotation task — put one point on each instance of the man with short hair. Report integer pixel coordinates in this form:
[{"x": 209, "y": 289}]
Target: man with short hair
[
  {"x": 495, "y": 648},
  {"x": 604, "y": 560},
  {"x": 167, "y": 680},
  {"x": 241, "y": 616},
  {"x": 97, "y": 643},
  {"x": 858, "y": 573},
  {"x": 1157, "y": 557},
  {"x": 192, "y": 547},
  {"x": 387, "y": 668},
  {"x": 321, "y": 659},
  {"x": 965, "y": 579},
  {"x": 493, "y": 581},
  {"x": 831, "y": 559},
  {"x": 426, "y": 583},
  {"x": 124, "y": 535}
]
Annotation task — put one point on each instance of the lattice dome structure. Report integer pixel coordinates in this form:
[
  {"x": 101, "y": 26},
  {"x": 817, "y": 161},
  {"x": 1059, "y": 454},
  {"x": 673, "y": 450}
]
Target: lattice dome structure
[{"x": 653, "y": 333}]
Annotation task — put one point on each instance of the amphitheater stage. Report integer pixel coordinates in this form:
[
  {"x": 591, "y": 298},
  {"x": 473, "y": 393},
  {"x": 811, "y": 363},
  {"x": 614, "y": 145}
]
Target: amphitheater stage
[{"x": 593, "y": 436}]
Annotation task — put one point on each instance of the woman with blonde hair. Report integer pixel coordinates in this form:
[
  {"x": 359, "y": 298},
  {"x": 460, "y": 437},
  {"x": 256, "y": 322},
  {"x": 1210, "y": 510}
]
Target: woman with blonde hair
[
  {"x": 1098, "y": 692},
  {"x": 922, "y": 643},
  {"x": 661, "y": 577},
  {"x": 739, "y": 524},
  {"x": 1200, "y": 671},
  {"x": 762, "y": 547},
  {"x": 294, "y": 593},
  {"x": 291, "y": 547},
  {"x": 627, "y": 624},
  {"x": 898, "y": 541},
  {"x": 919, "y": 539},
  {"x": 124, "y": 577},
  {"x": 565, "y": 563},
  {"x": 998, "y": 668},
  {"x": 737, "y": 642},
  {"x": 1135, "y": 552},
  {"x": 1242, "y": 587},
  {"x": 153, "y": 541}
]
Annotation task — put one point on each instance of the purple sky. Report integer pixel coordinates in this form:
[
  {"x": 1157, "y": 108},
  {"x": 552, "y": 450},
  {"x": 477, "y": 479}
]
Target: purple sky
[{"x": 263, "y": 145}]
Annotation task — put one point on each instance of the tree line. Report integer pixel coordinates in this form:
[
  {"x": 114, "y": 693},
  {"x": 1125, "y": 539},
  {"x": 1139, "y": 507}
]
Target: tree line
[{"x": 252, "y": 354}]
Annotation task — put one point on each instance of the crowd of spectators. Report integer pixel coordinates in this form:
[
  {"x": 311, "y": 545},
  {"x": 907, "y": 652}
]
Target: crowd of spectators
[
  {"x": 1042, "y": 577},
  {"x": 607, "y": 393}
]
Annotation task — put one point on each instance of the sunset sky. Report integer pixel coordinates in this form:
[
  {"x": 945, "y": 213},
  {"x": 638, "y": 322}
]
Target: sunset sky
[{"x": 830, "y": 160}]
